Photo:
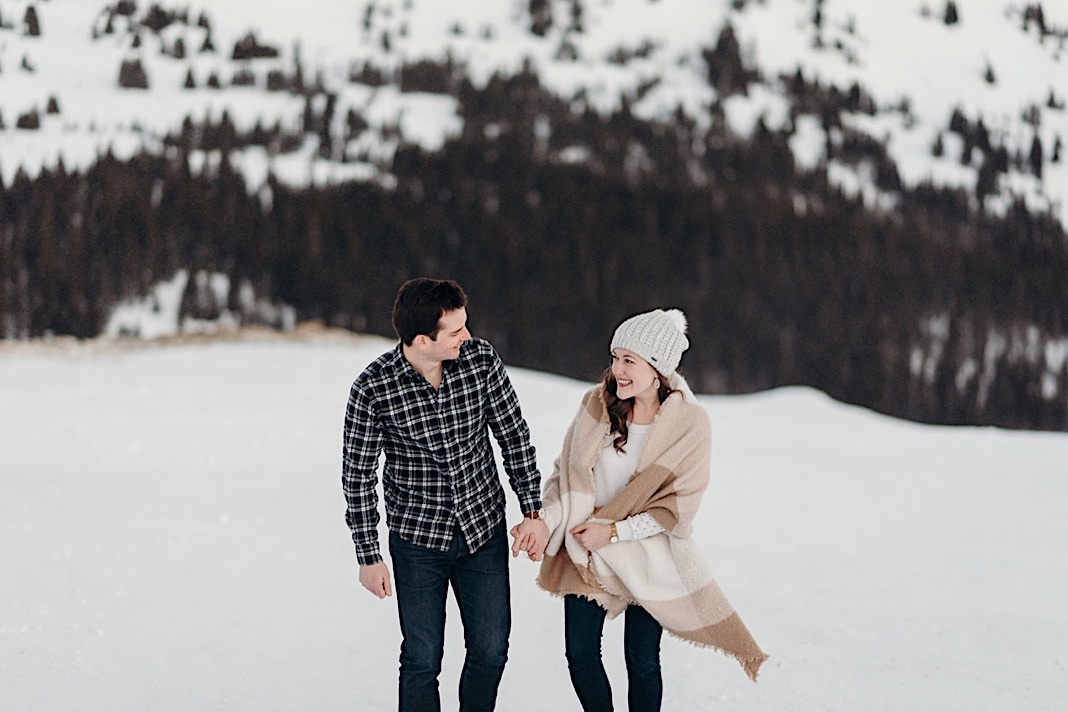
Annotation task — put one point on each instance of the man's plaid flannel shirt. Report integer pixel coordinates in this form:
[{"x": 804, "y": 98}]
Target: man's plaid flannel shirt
[{"x": 439, "y": 471}]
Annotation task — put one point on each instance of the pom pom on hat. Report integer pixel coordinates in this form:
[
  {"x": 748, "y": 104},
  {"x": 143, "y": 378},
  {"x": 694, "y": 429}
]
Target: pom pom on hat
[
  {"x": 658, "y": 336},
  {"x": 676, "y": 317}
]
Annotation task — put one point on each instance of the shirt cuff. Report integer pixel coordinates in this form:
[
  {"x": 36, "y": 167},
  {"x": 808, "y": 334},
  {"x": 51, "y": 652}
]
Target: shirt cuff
[
  {"x": 530, "y": 505},
  {"x": 366, "y": 558}
]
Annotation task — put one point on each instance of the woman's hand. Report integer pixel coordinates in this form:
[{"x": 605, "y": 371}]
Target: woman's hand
[{"x": 592, "y": 536}]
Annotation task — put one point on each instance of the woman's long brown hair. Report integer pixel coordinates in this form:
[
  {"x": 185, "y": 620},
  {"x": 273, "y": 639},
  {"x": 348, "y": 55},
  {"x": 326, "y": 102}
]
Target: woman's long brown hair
[{"x": 620, "y": 409}]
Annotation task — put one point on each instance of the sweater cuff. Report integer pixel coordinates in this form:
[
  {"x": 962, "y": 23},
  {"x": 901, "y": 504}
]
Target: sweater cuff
[{"x": 638, "y": 526}]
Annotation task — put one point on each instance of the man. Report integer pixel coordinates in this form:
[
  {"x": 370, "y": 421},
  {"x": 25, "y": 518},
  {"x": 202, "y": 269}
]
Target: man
[{"x": 429, "y": 404}]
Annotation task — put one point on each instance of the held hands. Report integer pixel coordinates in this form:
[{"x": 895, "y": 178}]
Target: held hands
[
  {"x": 375, "y": 578},
  {"x": 591, "y": 535},
  {"x": 531, "y": 536}
]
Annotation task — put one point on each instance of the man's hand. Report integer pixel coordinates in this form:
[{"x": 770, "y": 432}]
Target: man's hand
[
  {"x": 375, "y": 578},
  {"x": 532, "y": 536},
  {"x": 592, "y": 536}
]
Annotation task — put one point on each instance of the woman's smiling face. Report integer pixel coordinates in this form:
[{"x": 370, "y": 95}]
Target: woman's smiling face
[{"x": 634, "y": 376}]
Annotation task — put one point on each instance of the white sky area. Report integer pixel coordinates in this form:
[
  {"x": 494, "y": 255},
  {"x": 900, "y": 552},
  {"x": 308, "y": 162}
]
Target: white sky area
[
  {"x": 174, "y": 539},
  {"x": 894, "y": 50}
]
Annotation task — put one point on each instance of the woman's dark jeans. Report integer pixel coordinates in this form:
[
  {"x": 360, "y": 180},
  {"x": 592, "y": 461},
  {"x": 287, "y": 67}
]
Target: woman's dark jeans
[
  {"x": 479, "y": 582},
  {"x": 583, "y": 625}
]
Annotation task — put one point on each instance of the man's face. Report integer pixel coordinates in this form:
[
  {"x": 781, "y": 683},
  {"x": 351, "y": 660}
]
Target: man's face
[{"x": 452, "y": 332}]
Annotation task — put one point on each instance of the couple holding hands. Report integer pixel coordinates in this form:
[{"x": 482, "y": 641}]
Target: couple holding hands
[{"x": 611, "y": 529}]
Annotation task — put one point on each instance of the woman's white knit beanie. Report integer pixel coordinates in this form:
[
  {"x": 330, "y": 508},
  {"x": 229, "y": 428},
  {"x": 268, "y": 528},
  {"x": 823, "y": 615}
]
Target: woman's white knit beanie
[{"x": 657, "y": 336}]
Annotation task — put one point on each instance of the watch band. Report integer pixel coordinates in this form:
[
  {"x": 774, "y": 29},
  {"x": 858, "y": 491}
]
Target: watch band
[{"x": 614, "y": 539}]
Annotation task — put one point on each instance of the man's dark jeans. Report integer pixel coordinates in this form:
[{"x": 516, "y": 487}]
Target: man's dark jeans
[
  {"x": 583, "y": 626},
  {"x": 479, "y": 582}
]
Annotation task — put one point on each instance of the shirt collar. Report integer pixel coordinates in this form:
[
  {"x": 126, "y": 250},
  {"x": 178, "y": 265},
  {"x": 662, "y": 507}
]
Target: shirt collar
[{"x": 401, "y": 367}]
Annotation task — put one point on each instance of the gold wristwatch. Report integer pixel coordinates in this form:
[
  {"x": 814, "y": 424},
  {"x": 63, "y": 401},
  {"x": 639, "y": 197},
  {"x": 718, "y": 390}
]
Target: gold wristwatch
[{"x": 615, "y": 534}]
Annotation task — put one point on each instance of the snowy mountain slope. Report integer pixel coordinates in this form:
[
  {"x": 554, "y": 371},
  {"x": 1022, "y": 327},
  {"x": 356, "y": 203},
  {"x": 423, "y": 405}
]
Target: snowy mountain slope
[
  {"x": 174, "y": 539},
  {"x": 1000, "y": 63}
]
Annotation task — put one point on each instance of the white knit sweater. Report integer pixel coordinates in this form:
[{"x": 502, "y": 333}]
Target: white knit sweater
[{"x": 611, "y": 473}]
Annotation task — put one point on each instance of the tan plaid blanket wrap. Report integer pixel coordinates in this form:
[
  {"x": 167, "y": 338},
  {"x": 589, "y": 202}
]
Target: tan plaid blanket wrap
[{"x": 664, "y": 574}]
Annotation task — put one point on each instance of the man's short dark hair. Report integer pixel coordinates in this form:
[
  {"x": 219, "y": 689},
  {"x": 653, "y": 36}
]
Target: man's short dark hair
[{"x": 420, "y": 304}]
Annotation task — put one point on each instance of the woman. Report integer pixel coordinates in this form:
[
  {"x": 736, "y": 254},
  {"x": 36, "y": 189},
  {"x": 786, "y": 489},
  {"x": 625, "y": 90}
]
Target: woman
[{"x": 620, "y": 506}]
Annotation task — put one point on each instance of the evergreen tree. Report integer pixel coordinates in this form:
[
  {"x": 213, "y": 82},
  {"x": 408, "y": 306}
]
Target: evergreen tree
[
  {"x": 157, "y": 19},
  {"x": 30, "y": 121},
  {"x": 31, "y": 25},
  {"x": 577, "y": 17},
  {"x": 938, "y": 148},
  {"x": 1035, "y": 158},
  {"x": 958, "y": 123},
  {"x": 132, "y": 75},
  {"x": 726, "y": 71},
  {"x": 988, "y": 76},
  {"x": 541, "y": 16},
  {"x": 951, "y": 16},
  {"x": 986, "y": 182}
]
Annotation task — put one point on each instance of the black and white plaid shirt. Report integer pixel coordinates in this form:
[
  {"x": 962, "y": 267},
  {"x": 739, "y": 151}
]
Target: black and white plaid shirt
[{"x": 439, "y": 471}]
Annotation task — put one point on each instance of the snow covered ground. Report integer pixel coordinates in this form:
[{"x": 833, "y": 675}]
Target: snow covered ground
[{"x": 173, "y": 539}]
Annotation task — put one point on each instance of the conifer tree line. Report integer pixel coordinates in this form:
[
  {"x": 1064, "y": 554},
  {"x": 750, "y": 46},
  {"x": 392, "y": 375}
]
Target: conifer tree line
[{"x": 931, "y": 311}]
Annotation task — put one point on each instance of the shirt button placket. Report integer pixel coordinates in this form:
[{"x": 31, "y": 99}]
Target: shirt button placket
[{"x": 444, "y": 447}]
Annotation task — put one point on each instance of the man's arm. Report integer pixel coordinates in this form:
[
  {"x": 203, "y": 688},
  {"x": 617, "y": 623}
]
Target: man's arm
[
  {"x": 520, "y": 460},
  {"x": 513, "y": 436},
  {"x": 362, "y": 444}
]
